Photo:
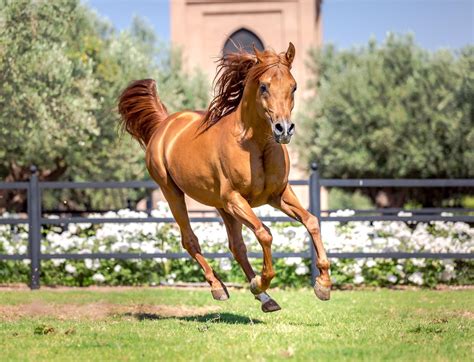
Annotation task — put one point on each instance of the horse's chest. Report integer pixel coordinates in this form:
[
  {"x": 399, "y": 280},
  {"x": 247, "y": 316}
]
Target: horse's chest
[{"x": 262, "y": 180}]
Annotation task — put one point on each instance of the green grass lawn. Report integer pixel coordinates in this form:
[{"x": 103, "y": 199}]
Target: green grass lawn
[{"x": 172, "y": 324}]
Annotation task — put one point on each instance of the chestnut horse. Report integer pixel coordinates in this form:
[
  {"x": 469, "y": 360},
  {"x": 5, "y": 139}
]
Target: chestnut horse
[{"x": 231, "y": 157}]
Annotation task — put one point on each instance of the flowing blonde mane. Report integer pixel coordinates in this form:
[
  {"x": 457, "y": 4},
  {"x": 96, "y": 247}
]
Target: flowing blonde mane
[{"x": 234, "y": 70}]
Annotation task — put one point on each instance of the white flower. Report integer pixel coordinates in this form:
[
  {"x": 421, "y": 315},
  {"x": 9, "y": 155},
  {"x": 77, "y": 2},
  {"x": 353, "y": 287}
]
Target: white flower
[
  {"x": 392, "y": 278},
  {"x": 293, "y": 261},
  {"x": 120, "y": 246},
  {"x": 22, "y": 249},
  {"x": 92, "y": 264},
  {"x": 416, "y": 278},
  {"x": 58, "y": 262},
  {"x": 71, "y": 269},
  {"x": 418, "y": 262},
  {"x": 225, "y": 264},
  {"x": 301, "y": 269},
  {"x": 72, "y": 228},
  {"x": 448, "y": 273},
  {"x": 88, "y": 263},
  {"x": 358, "y": 279},
  {"x": 147, "y": 247},
  {"x": 117, "y": 268},
  {"x": 99, "y": 278},
  {"x": 370, "y": 263}
]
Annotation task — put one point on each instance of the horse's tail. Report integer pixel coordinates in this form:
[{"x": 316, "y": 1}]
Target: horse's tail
[{"x": 141, "y": 110}]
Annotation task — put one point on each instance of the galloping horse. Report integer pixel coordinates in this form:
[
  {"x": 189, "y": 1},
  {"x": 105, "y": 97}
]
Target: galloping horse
[{"x": 232, "y": 157}]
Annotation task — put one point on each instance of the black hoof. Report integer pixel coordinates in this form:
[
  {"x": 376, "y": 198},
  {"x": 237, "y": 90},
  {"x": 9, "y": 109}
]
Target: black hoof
[{"x": 270, "y": 306}]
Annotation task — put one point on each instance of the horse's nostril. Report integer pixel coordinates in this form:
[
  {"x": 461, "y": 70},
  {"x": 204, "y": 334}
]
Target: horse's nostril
[
  {"x": 279, "y": 127},
  {"x": 292, "y": 128}
]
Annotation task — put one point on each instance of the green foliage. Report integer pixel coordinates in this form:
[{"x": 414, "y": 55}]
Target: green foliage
[
  {"x": 341, "y": 200},
  {"x": 46, "y": 98},
  {"x": 391, "y": 110},
  {"x": 62, "y": 69}
]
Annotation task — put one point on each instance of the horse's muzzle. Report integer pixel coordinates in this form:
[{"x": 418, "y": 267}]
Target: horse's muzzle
[
  {"x": 282, "y": 139},
  {"x": 282, "y": 131}
]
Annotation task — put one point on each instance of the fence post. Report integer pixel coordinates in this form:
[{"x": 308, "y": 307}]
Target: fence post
[
  {"x": 315, "y": 209},
  {"x": 34, "y": 229},
  {"x": 149, "y": 202}
]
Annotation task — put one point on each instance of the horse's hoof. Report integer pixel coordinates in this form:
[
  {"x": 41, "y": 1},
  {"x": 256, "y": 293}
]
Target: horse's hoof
[
  {"x": 220, "y": 294},
  {"x": 270, "y": 306},
  {"x": 254, "y": 288},
  {"x": 323, "y": 292}
]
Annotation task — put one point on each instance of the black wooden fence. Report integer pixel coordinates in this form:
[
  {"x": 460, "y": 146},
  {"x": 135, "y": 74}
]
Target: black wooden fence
[{"x": 35, "y": 219}]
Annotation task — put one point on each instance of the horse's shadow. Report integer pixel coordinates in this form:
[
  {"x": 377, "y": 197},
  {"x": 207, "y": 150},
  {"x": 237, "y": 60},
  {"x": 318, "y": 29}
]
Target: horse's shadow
[{"x": 224, "y": 318}]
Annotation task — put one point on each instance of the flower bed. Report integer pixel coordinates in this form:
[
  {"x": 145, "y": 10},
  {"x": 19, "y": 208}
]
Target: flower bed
[{"x": 142, "y": 238}]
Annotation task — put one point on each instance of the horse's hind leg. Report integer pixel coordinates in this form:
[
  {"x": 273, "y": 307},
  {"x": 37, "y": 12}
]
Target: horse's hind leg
[
  {"x": 175, "y": 198},
  {"x": 239, "y": 250},
  {"x": 236, "y": 243}
]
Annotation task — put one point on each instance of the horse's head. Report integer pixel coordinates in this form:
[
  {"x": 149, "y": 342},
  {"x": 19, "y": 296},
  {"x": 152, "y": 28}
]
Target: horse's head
[
  {"x": 275, "y": 90},
  {"x": 263, "y": 83}
]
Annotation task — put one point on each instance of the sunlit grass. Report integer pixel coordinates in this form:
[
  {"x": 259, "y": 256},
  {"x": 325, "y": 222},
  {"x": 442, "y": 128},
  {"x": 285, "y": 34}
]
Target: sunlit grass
[{"x": 171, "y": 324}]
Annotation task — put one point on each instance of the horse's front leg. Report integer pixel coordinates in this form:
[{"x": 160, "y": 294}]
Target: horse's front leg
[
  {"x": 290, "y": 205},
  {"x": 240, "y": 209}
]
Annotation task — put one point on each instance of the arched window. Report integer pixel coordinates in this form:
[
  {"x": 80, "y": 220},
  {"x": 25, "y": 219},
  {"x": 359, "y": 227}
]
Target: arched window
[{"x": 242, "y": 38}]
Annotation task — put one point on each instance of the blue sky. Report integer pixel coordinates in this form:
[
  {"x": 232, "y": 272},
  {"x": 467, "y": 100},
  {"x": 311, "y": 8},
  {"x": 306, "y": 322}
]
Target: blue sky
[{"x": 435, "y": 23}]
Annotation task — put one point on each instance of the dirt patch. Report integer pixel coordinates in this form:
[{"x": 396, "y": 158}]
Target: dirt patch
[
  {"x": 454, "y": 287},
  {"x": 465, "y": 314},
  {"x": 98, "y": 311}
]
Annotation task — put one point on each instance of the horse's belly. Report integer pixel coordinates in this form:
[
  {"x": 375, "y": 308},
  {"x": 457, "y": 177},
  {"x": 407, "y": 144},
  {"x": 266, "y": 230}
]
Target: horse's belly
[{"x": 195, "y": 181}]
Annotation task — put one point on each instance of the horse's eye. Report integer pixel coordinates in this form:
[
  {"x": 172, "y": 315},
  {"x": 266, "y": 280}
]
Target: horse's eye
[
  {"x": 294, "y": 89},
  {"x": 263, "y": 88}
]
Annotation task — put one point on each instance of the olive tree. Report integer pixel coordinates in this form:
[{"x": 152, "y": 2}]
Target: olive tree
[
  {"x": 61, "y": 71},
  {"x": 392, "y": 110}
]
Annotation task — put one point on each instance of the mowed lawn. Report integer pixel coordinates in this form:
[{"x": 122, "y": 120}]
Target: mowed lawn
[{"x": 179, "y": 325}]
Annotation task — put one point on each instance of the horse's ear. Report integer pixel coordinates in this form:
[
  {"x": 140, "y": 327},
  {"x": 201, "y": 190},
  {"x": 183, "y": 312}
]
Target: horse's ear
[
  {"x": 258, "y": 54},
  {"x": 290, "y": 53}
]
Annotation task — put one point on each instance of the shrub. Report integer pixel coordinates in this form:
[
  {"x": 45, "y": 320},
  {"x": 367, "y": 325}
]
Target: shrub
[{"x": 142, "y": 238}]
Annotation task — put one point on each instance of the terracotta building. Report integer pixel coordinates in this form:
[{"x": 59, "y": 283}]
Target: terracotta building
[{"x": 205, "y": 29}]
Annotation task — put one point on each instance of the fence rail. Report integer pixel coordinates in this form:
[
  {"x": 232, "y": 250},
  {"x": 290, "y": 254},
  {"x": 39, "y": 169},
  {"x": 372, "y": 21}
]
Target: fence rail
[{"x": 35, "y": 219}]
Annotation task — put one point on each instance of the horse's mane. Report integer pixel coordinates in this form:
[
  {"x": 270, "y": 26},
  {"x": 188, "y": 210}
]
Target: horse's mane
[{"x": 234, "y": 70}]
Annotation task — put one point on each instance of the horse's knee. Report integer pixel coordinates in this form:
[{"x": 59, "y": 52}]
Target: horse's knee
[
  {"x": 191, "y": 244},
  {"x": 312, "y": 224},
  {"x": 264, "y": 236},
  {"x": 268, "y": 274}
]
